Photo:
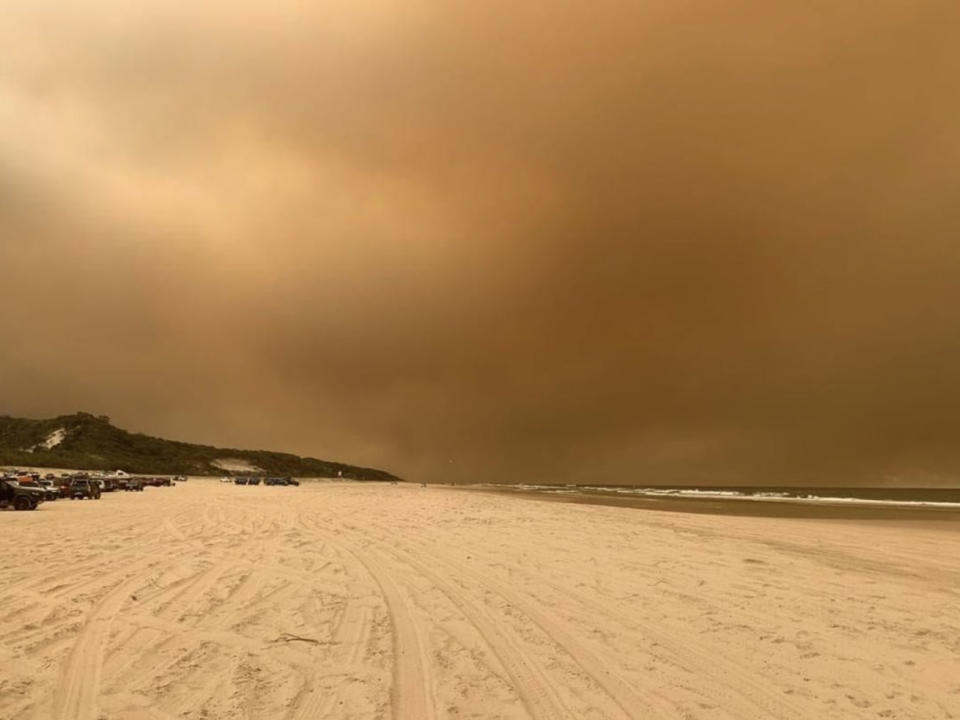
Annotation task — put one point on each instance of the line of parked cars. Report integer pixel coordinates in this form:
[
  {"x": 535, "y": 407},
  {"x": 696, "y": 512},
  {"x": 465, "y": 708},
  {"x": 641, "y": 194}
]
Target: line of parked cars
[
  {"x": 253, "y": 480},
  {"x": 25, "y": 491}
]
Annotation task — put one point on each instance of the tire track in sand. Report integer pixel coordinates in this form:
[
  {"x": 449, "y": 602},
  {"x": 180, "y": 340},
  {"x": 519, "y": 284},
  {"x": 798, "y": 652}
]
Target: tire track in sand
[
  {"x": 631, "y": 703},
  {"x": 75, "y": 696},
  {"x": 748, "y": 694},
  {"x": 350, "y": 639},
  {"x": 412, "y": 695},
  {"x": 539, "y": 694}
]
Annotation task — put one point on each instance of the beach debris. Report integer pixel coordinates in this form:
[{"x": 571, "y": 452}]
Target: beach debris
[{"x": 290, "y": 637}]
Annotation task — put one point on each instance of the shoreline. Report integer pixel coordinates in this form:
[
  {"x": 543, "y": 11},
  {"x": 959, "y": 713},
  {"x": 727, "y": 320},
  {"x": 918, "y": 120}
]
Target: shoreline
[{"x": 743, "y": 507}]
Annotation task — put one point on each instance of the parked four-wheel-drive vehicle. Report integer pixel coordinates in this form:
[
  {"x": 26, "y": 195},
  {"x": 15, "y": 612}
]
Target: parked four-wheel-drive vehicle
[
  {"x": 157, "y": 481},
  {"x": 52, "y": 492},
  {"x": 82, "y": 488},
  {"x": 280, "y": 481},
  {"x": 66, "y": 485},
  {"x": 46, "y": 487},
  {"x": 19, "y": 497},
  {"x": 131, "y": 484},
  {"x": 241, "y": 481}
]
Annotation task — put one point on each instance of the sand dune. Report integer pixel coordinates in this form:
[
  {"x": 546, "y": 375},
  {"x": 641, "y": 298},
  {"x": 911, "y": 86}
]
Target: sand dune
[{"x": 210, "y": 601}]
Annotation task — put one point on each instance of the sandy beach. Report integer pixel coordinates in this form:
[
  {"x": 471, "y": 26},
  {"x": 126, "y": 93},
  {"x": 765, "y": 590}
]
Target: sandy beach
[{"x": 208, "y": 601}]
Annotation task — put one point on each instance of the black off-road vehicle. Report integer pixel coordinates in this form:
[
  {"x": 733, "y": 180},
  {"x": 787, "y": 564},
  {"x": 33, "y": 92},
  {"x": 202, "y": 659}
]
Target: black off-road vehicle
[
  {"x": 13, "y": 494},
  {"x": 157, "y": 481}
]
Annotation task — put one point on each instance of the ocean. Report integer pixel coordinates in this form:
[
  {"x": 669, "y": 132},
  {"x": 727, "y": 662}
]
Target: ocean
[{"x": 851, "y": 502}]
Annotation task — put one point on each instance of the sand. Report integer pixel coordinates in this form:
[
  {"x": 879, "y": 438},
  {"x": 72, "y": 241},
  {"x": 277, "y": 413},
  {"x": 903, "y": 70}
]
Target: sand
[{"x": 337, "y": 600}]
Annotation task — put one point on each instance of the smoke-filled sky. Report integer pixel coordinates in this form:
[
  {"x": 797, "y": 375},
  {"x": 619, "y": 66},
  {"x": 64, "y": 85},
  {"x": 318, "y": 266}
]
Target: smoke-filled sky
[{"x": 693, "y": 241}]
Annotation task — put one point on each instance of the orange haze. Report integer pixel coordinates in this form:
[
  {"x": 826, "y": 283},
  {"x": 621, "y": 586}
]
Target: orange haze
[{"x": 710, "y": 240}]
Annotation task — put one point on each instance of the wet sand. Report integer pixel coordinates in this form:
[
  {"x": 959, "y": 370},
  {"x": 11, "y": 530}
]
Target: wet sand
[{"x": 337, "y": 600}]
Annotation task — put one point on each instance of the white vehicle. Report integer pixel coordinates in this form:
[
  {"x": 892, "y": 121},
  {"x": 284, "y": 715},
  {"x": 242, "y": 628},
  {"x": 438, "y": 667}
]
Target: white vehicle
[{"x": 52, "y": 491}]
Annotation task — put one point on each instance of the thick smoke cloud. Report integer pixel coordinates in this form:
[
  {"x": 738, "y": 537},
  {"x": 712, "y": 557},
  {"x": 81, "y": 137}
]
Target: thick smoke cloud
[{"x": 711, "y": 241}]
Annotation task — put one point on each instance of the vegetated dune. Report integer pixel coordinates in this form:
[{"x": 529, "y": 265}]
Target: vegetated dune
[
  {"x": 210, "y": 600},
  {"x": 91, "y": 442}
]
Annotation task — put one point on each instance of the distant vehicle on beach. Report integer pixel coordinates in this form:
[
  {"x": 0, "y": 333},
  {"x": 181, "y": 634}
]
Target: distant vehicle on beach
[{"x": 157, "y": 481}]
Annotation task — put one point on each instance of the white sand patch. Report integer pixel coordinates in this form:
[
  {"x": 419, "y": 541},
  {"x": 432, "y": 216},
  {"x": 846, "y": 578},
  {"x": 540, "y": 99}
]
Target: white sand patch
[
  {"x": 54, "y": 438},
  {"x": 236, "y": 465}
]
